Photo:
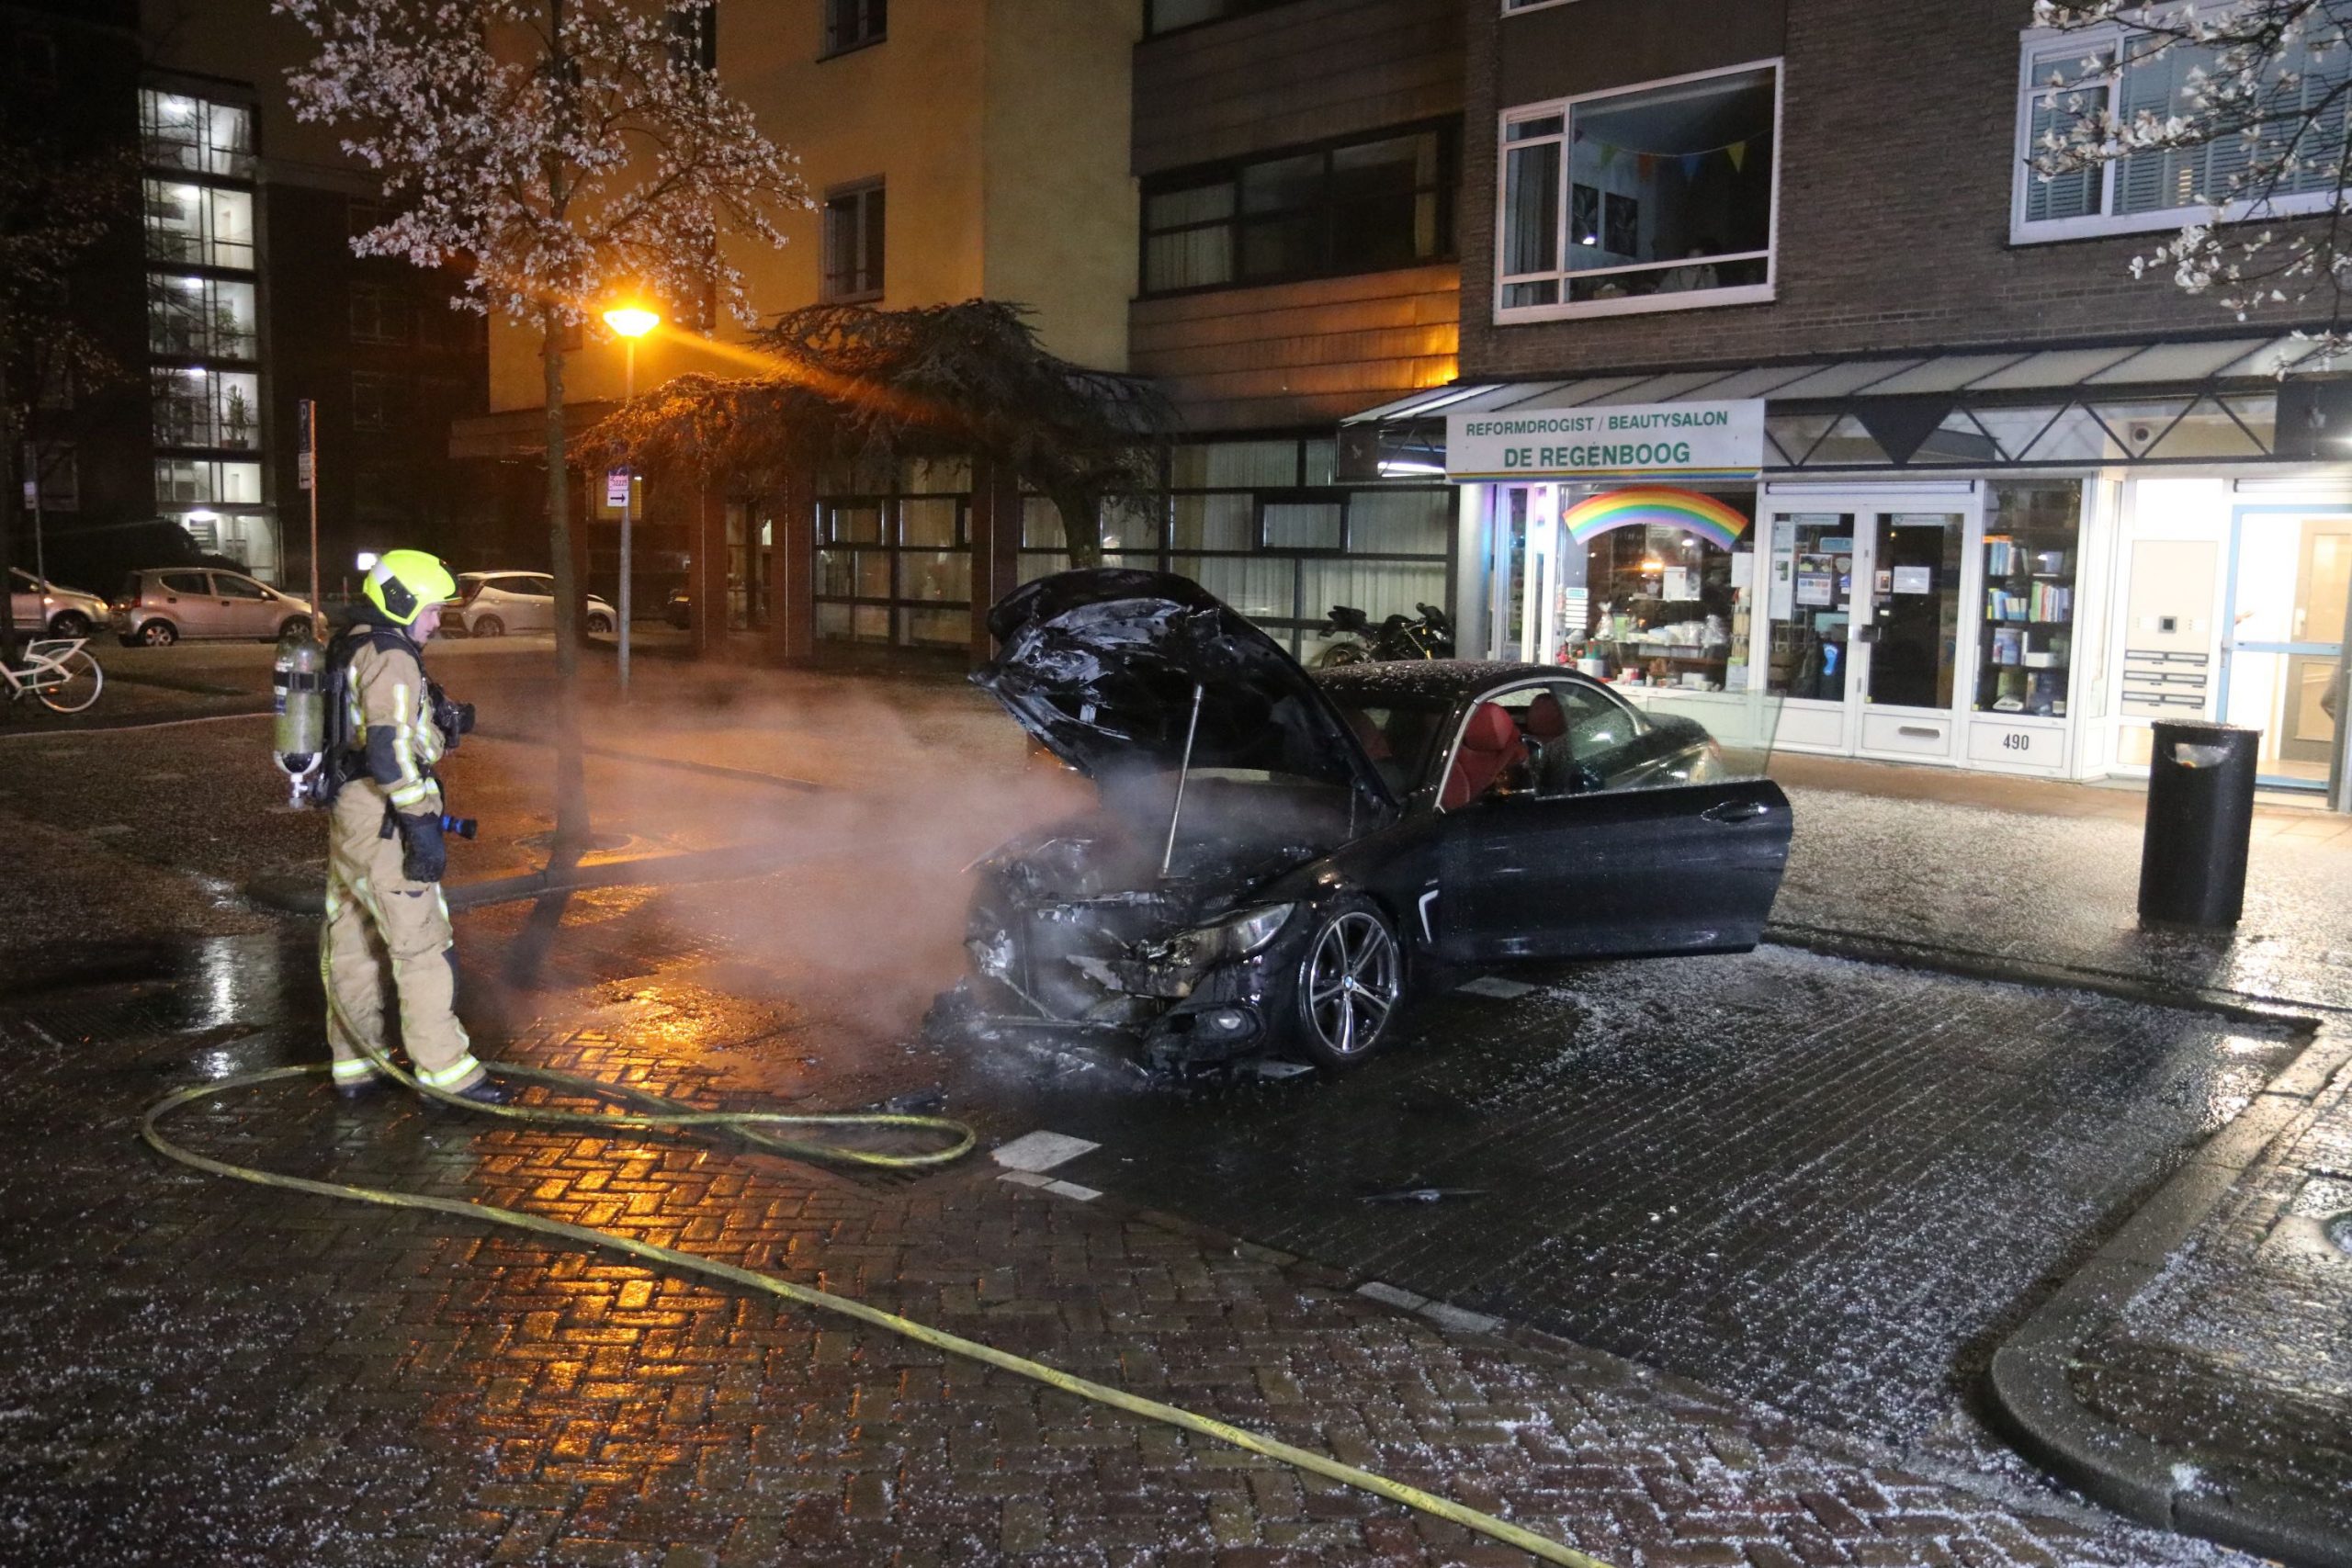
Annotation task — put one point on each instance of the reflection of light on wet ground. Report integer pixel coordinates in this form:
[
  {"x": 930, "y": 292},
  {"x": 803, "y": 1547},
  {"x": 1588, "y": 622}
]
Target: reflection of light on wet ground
[{"x": 216, "y": 975}]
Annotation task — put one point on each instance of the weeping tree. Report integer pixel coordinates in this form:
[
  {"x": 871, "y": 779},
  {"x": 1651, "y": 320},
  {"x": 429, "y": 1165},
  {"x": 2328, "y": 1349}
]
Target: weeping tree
[
  {"x": 857, "y": 391},
  {"x": 2241, "y": 109},
  {"x": 555, "y": 151}
]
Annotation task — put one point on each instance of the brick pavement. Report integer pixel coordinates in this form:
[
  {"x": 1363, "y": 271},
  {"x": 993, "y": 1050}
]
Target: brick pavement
[{"x": 191, "y": 1370}]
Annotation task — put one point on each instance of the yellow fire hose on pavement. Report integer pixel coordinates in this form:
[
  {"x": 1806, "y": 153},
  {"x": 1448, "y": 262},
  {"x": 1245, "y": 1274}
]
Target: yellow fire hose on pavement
[{"x": 748, "y": 1125}]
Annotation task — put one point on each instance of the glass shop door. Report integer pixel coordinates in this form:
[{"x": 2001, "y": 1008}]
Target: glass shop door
[
  {"x": 1861, "y": 628},
  {"x": 2289, "y": 594}
]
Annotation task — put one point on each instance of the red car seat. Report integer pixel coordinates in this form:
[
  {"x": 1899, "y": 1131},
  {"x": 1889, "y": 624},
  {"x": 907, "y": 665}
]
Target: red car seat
[
  {"x": 1547, "y": 721},
  {"x": 1490, "y": 743}
]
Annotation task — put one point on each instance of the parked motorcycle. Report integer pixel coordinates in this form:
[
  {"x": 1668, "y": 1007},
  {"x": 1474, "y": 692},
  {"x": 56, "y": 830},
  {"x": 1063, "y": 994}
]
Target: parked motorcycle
[{"x": 1356, "y": 639}]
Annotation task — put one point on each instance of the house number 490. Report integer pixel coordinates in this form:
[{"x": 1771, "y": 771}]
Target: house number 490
[{"x": 2015, "y": 742}]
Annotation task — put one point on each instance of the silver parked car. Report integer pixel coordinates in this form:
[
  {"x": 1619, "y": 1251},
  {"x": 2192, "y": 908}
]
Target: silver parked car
[
  {"x": 37, "y": 605},
  {"x": 165, "y": 603},
  {"x": 517, "y": 603}
]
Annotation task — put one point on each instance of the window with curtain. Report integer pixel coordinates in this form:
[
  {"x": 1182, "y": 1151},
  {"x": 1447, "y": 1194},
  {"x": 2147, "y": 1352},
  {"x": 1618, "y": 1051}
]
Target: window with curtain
[
  {"x": 2067, "y": 80},
  {"x": 1641, "y": 198}
]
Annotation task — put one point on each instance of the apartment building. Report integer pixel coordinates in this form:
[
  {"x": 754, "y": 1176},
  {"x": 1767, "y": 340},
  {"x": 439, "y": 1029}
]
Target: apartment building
[
  {"x": 229, "y": 296},
  {"x": 1255, "y": 204},
  {"x": 1792, "y": 399}
]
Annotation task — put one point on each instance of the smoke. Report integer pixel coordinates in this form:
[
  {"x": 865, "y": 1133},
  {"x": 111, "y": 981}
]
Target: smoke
[{"x": 910, "y": 780}]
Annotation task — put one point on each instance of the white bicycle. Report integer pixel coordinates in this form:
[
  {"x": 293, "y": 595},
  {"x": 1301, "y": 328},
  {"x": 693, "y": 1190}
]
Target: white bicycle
[{"x": 59, "y": 670}]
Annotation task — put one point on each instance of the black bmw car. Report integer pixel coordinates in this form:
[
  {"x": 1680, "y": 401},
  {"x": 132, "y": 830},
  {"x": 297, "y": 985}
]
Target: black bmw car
[{"x": 1279, "y": 859}]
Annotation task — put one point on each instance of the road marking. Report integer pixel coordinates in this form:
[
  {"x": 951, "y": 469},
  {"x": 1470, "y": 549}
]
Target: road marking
[
  {"x": 1040, "y": 1151},
  {"x": 1048, "y": 1184}
]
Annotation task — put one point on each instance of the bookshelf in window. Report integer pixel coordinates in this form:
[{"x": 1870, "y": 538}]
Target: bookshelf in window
[{"x": 2026, "y": 620}]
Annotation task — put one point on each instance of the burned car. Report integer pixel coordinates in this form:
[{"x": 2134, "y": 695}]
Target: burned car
[{"x": 1278, "y": 860}]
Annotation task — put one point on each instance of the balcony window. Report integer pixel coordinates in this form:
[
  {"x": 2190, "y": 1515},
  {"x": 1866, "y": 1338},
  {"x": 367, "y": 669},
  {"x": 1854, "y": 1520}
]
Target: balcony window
[
  {"x": 199, "y": 225},
  {"x": 1656, "y": 197},
  {"x": 854, "y": 226},
  {"x": 181, "y": 133},
  {"x": 1364, "y": 206},
  {"x": 2068, "y": 78},
  {"x": 206, "y": 408},
  {"x": 181, "y": 481},
  {"x": 201, "y": 318}
]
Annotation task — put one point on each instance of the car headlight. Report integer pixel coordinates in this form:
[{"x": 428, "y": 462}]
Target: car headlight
[{"x": 1236, "y": 936}]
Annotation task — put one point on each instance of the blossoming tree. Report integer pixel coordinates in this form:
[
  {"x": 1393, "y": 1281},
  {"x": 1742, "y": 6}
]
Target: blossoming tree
[
  {"x": 555, "y": 151},
  {"x": 2234, "y": 107}
]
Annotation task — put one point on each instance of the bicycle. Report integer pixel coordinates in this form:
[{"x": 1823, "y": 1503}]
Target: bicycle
[{"x": 57, "y": 671}]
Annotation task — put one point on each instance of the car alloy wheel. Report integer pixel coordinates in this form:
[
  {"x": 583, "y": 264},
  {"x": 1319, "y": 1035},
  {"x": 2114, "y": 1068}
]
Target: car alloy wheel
[
  {"x": 159, "y": 634},
  {"x": 600, "y": 625},
  {"x": 1349, "y": 986},
  {"x": 294, "y": 626},
  {"x": 487, "y": 625},
  {"x": 69, "y": 623}
]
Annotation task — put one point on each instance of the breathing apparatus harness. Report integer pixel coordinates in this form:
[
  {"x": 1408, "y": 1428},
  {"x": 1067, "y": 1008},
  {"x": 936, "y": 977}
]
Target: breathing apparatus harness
[{"x": 314, "y": 742}]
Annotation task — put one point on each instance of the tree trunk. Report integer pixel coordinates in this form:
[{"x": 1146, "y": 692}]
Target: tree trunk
[
  {"x": 1081, "y": 513},
  {"x": 571, "y": 827}
]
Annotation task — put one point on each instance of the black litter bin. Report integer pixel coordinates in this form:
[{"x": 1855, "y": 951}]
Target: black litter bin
[{"x": 2200, "y": 813}]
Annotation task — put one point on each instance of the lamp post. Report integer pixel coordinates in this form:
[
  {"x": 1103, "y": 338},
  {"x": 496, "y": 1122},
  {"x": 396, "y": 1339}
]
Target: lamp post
[{"x": 632, "y": 322}]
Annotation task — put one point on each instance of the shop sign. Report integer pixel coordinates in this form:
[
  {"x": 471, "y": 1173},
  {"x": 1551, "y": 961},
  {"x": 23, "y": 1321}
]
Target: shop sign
[{"x": 1619, "y": 440}]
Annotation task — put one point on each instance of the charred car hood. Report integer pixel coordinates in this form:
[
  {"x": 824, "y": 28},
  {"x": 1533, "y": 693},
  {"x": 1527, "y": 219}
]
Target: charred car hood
[{"x": 1101, "y": 666}]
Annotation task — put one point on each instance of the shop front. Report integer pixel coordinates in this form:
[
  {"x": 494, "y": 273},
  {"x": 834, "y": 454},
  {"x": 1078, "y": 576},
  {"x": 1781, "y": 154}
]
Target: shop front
[{"x": 2020, "y": 581}]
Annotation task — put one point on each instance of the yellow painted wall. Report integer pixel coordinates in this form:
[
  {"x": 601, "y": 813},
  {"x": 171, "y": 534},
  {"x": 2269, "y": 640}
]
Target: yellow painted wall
[
  {"x": 1060, "y": 203},
  {"x": 1000, "y": 129}
]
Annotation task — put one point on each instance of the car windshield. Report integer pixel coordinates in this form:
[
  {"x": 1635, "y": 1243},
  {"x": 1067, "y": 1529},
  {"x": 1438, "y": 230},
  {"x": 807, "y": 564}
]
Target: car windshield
[{"x": 1397, "y": 733}]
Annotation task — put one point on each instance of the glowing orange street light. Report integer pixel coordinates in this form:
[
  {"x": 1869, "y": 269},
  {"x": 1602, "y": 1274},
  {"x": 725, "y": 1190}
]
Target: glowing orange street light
[{"x": 632, "y": 322}]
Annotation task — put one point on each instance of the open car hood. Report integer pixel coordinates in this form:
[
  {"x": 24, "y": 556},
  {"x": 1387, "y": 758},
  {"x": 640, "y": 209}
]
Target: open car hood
[{"x": 1101, "y": 667}]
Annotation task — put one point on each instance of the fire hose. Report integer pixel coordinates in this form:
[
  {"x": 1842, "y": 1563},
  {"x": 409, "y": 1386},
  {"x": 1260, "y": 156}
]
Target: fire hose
[{"x": 751, "y": 1126}]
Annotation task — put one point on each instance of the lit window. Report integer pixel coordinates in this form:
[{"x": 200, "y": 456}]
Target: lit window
[
  {"x": 2067, "y": 79},
  {"x": 1645, "y": 199},
  {"x": 854, "y": 224},
  {"x": 177, "y": 131}
]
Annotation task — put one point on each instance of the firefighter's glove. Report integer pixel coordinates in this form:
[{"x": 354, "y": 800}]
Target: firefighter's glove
[
  {"x": 424, "y": 856},
  {"x": 452, "y": 718}
]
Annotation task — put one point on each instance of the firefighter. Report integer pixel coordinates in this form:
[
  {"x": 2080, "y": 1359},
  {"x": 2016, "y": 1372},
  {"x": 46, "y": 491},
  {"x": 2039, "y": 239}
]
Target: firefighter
[{"x": 385, "y": 853}]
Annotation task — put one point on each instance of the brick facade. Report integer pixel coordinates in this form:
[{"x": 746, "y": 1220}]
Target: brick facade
[{"x": 1897, "y": 144}]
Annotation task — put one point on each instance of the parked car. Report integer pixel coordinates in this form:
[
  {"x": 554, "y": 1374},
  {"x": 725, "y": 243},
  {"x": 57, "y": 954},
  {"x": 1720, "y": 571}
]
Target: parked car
[
  {"x": 1279, "y": 859},
  {"x": 37, "y": 605},
  {"x": 678, "y": 609},
  {"x": 163, "y": 604},
  {"x": 499, "y": 603}
]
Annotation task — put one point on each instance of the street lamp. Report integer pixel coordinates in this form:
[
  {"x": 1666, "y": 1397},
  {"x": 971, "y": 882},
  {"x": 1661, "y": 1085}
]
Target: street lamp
[{"x": 632, "y": 322}]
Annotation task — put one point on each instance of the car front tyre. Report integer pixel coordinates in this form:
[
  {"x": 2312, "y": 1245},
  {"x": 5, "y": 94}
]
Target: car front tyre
[
  {"x": 1350, "y": 983},
  {"x": 159, "y": 634},
  {"x": 294, "y": 626},
  {"x": 69, "y": 623},
  {"x": 600, "y": 625},
  {"x": 487, "y": 625}
]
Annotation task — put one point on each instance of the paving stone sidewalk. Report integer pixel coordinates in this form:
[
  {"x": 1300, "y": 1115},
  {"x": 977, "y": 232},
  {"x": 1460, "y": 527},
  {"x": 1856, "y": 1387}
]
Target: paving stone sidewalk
[{"x": 194, "y": 1370}]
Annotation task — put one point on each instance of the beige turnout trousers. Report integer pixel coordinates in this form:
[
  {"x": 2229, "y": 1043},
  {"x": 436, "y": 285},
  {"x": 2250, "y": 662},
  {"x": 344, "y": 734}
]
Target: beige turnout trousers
[{"x": 377, "y": 919}]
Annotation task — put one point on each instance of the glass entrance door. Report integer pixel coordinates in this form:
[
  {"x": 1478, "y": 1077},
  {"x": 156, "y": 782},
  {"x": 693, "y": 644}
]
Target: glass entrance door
[
  {"x": 1862, "y": 618},
  {"x": 1809, "y": 605},
  {"x": 2289, "y": 596}
]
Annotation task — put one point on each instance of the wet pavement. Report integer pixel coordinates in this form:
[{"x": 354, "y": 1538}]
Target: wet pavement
[
  {"x": 1785, "y": 1205},
  {"x": 195, "y": 1371}
]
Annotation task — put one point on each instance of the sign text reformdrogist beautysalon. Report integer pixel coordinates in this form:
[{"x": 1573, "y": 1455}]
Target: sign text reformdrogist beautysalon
[{"x": 1629, "y": 440}]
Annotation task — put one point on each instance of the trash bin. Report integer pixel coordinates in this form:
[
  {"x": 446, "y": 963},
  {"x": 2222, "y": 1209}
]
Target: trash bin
[{"x": 2200, "y": 813}]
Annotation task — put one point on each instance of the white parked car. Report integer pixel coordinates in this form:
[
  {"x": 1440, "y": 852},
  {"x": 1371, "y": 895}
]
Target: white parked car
[
  {"x": 40, "y": 607},
  {"x": 500, "y": 603},
  {"x": 165, "y": 603}
]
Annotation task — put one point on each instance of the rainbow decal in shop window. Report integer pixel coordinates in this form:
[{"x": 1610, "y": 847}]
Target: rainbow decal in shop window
[{"x": 1655, "y": 506}]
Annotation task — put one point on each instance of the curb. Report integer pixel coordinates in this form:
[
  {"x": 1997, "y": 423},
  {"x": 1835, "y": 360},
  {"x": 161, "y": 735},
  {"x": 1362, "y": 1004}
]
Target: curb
[
  {"x": 2033, "y": 1395},
  {"x": 303, "y": 896}
]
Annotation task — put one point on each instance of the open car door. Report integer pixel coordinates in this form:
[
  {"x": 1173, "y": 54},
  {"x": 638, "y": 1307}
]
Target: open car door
[{"x": 1601, "y": 833}]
